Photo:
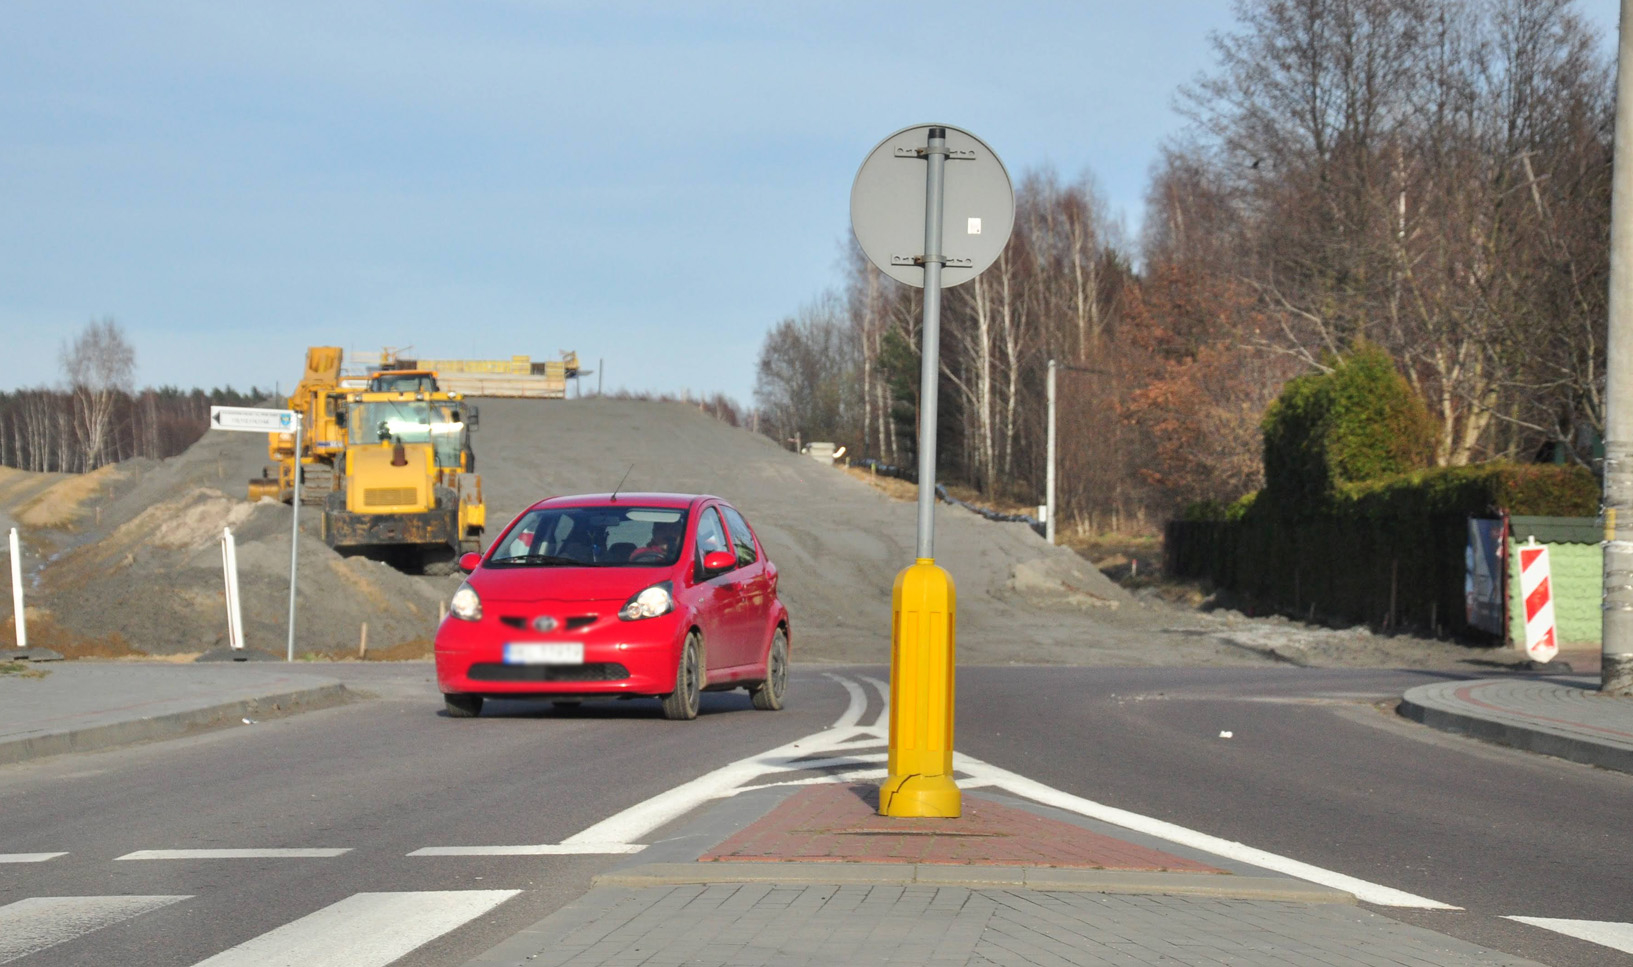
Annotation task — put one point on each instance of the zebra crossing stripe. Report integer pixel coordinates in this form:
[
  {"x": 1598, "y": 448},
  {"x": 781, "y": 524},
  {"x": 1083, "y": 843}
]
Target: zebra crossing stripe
[
  {"x": 30, "y": 926},
  {"x": 1616, "y": 936},
  {"x": 363, "y": 930}
]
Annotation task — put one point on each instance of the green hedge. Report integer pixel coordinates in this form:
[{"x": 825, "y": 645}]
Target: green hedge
[
  {"x": 1397, "y": 539},
  {"x": 1358, "y": 420}
]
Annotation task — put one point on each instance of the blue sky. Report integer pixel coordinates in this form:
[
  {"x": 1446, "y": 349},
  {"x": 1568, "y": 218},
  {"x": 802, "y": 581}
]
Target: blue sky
[{"x": 651, "y": 184}]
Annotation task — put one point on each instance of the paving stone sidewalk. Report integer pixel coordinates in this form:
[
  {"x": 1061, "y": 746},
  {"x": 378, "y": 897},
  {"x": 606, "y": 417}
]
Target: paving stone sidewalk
[
  {"x": 764, "y": 924},
  {"x": 764, "y": 879},
  {"x": 1559, "y": 716},
  {"x": 88, "y": 706}
]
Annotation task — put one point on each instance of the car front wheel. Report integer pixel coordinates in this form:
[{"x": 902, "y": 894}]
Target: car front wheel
[
  {"x": 768, "y": 695},
  {"x": 463, "y": 706},
  {"x": 682, "y": 703}
]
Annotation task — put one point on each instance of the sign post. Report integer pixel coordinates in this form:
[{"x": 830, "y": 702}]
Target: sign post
[
  {"x": 898, "y": 212},
  {"x": 249, "y": 420}
]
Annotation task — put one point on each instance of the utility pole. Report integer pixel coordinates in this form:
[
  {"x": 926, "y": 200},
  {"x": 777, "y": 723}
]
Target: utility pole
[
  {"x": 295, "y": 535},
  {"x": 1049, "y": 494},
  {"x": 1616, "y": 640}
]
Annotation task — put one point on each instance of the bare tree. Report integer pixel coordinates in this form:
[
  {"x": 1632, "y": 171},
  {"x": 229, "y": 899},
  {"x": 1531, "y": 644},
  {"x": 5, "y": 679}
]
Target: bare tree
[{"x": 98, "y": 365}]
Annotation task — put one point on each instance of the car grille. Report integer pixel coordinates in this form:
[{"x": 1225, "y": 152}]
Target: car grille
[
  {"x": 571, "y": 624},
  {"x": 596, "y": 671}
]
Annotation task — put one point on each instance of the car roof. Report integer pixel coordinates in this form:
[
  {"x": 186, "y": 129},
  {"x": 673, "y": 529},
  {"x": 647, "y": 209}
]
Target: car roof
[{"x": 638, "y": 499}]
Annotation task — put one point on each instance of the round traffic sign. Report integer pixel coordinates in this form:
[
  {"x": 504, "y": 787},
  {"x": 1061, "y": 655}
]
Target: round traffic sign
[{"x": 887, "y": 206}]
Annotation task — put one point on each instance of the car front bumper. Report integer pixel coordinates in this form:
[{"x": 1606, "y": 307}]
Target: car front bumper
[{"x": 620, "y": 658}]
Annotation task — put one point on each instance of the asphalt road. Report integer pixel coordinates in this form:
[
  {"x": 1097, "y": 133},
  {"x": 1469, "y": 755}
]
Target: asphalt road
[
  {"x": 1320, "y": 768},
  {"x": 1316, "y": 769}
]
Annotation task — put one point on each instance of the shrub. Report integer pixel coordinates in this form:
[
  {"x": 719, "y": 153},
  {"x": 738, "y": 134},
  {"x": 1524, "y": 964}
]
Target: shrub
[{"x": 1358, "y": 421}]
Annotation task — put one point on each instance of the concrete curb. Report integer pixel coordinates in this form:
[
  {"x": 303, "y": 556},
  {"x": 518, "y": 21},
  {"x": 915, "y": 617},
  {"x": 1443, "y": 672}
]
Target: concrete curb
[
  {"x": 1218, "y": 886},
  {"x": 174, "y": 724},
  {"x": 1432, "y": 705}
]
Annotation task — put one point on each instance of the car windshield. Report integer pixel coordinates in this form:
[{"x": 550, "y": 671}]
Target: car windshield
[{"x": 609, "y": 536}]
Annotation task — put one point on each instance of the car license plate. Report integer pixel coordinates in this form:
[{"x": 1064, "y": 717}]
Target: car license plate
[{"x": 544, "y": 653}]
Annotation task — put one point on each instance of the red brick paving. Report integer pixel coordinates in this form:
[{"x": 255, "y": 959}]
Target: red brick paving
[{"x": 840, "y": 824}]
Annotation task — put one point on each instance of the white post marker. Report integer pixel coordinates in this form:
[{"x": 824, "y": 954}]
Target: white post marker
[
  {"x": 17, "y": 590},
  {"x": 235, "y": 608},
  {"x": 251, "y": 420},
  {"x": 1541, "y": 637}
]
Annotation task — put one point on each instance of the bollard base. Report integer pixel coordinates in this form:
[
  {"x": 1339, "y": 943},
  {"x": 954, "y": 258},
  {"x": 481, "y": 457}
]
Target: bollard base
[{"x": 936, "y": 797}]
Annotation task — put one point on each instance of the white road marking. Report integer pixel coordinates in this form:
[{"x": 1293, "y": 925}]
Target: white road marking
[
  {"x": 858, "y": 702},
  {"x": 28, "y": 857},
  {"x": 838, "y": 751},
  {"x": 234, "y": 854},
  {"x": 363, "y": 930},
  {"x": 881, "y": 722},
  {"x": 1616, "y": 936},
  {"x": 30, "y": 926},
  {"x": 1050, "y": 796},
  {"x": 621, "y": 832},
  {"x": 541, "y": 849}
]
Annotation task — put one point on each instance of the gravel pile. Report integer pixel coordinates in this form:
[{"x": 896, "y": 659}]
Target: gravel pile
[{"x": 141, "y": 571}]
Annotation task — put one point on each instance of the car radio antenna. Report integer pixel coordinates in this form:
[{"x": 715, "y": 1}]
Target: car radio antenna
[{"x": 614, "y": 498}]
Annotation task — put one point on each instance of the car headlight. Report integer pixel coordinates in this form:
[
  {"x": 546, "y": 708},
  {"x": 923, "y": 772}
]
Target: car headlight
[
  {"x": 648, "y": 603},
  {"x": 465, "y": 605}
]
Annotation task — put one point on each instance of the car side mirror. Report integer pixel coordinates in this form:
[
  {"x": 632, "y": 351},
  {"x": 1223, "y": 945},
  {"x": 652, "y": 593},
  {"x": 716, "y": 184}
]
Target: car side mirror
[
  {"x": 719, "y": 561},
  {"x": 473, "y": 418},
  {"x": 340, "y": 419},
  {"x": 469, "y": 561}
]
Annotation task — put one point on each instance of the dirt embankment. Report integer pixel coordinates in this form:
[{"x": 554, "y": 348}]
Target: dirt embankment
[{"x": 129, "y": 560}]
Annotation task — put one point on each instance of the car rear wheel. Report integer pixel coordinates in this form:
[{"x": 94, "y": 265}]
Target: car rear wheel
[
  {"x": 682, "y": 703},
  {"x": 768, "y": 695},
  {"x": 463, "y": 706}
]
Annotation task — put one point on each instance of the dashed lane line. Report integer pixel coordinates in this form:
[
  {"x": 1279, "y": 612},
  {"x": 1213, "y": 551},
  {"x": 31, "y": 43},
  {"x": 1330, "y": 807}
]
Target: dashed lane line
[
  {"x": 28, "y": 857},
  {"x": 538, "y": 849},
  {"x": 287, "y": 853}
]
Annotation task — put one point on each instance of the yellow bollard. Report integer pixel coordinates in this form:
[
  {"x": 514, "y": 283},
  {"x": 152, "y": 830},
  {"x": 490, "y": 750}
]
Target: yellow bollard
[{"x": 920, "y": 782}]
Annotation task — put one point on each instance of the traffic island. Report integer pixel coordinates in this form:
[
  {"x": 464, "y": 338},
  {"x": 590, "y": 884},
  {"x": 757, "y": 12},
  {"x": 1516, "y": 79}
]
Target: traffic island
[{"x": 832, "y": 834}]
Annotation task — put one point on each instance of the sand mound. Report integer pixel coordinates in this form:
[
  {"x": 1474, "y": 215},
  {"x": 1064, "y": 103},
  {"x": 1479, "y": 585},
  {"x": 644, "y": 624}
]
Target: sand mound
[{"x": 62, "y": 504}]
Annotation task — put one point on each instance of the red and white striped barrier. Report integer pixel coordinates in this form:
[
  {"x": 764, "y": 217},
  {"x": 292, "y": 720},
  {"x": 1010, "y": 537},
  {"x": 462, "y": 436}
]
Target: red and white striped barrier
[{"x": 1541, "y": 639}]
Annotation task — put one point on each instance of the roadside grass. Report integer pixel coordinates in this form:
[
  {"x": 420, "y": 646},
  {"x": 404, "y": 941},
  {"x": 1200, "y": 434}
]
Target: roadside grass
[
  {"x": 21, "y": 669},
  {"x": 62, "y": 504}
]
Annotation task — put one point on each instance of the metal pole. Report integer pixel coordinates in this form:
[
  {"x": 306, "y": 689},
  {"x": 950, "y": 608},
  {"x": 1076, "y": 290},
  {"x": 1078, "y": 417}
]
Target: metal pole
[
  {"x": 17, "y": 590},
  {"x": 930, "y": 343},
  {"x": 1616, "y": 641},
  {"x": 1049, "y": 497},
  {"x": 294, "y": 536}
]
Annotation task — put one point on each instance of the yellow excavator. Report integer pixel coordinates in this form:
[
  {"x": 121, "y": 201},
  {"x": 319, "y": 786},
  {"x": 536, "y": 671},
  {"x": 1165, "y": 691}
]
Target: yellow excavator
[{"x": 390, "y": 461}]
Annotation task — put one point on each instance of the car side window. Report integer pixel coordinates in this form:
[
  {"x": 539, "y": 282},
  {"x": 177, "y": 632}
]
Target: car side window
[
  {"x": 711, "y": 535},
  {"x": 741, "y": 538}
]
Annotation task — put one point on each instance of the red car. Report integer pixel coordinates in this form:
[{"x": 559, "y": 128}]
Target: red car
[{"x": 596, "y": 596}]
